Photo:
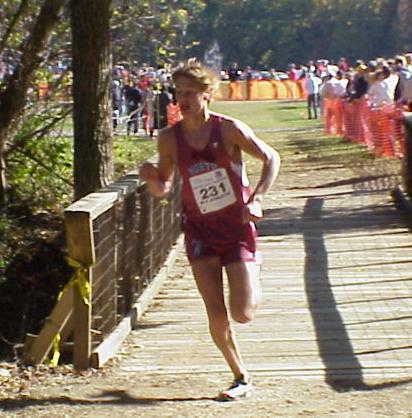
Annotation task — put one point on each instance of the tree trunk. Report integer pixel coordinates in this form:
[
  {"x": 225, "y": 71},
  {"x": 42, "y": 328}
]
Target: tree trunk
[
  {"x": 92, "y": 114},
  {"x": 13, "y": 96}
]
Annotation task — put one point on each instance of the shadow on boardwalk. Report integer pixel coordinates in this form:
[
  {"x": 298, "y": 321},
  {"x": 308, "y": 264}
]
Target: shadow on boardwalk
[
  {"x": 367, "y": 228},
  {"x": 108, "y": 398}
]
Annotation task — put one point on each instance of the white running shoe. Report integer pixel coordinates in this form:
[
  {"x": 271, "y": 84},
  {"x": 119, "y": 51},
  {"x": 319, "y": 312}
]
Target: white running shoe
[{"x": 238, "y": 389}]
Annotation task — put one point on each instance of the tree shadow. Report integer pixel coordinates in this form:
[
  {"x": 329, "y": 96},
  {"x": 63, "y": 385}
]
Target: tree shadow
[
  {"x": 376, "y": 182},
  {"x": 108, "y": 397},
  {"x": 319, "y": 291},
  {"x": 343, "y": 369}
]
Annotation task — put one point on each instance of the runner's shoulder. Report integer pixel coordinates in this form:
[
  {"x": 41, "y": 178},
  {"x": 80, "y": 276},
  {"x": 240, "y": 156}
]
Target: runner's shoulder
[
  {"x": 166, "y": 139},
  {"x": 232, "y": 127},
  {"x": 166, "y": 135}
]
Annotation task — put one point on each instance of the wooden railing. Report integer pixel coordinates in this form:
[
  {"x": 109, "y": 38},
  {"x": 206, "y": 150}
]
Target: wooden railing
[
  {"x": 117, "y": 240},
  {"x": 402, "y": 195},
  {"x": 407, "y": 161}
]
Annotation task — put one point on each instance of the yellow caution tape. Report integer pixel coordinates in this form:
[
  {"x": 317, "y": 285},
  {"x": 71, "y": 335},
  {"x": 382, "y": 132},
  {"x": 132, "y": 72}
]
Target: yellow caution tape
[
  {"x": 164, "y": 202},
  {"x": 80, "y": 279},
  {"x": 54, "y": 360}
]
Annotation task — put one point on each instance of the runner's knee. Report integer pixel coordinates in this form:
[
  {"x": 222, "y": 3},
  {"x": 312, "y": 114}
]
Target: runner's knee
[
  {"x": 243, "y": 315},
  {"x": 217, "y": 313}
]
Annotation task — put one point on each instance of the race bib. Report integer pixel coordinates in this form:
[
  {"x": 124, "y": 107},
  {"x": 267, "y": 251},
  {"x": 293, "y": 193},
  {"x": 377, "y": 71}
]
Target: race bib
[{"x": 212, "y": 190}]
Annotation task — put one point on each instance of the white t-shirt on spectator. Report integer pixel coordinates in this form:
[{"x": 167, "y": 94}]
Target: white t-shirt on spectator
[
  {"x": 334, "y": 88},
  {"x": 339, "y": 86},
  {"x": 312, "y": 84},
  {"x": 391, "y": 83},
  {"x": 379, "y": 94}
]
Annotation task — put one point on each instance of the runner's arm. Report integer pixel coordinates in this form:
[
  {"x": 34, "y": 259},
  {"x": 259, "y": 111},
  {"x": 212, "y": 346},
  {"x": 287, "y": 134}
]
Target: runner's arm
[
  {"x": 244, "y": 137},
  {"x": 159, "y": 179},
  {"x": 241, "y": 135}
]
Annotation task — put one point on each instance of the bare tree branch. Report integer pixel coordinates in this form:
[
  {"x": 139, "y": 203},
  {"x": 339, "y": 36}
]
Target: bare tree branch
[
  {"x": 38, "y": 134},
  {"x": 13, "y": 97},
  {"x": 41, "y": 164}
]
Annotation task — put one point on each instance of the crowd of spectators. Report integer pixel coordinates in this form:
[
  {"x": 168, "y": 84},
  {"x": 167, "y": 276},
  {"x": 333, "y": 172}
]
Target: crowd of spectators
[
  {"x": 142, "y": 94},
  {"x": 379, "y": 81},
  {"x": 140, "y": 98}
]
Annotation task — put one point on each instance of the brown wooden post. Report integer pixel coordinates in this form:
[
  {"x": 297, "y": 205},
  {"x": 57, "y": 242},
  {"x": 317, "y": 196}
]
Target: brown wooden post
[
  {"x": 80, "y": 248},
  {"x": 78, "y": 220},
  {"x": 82, "y": 335},
  {"x": 407, "y": 159}
]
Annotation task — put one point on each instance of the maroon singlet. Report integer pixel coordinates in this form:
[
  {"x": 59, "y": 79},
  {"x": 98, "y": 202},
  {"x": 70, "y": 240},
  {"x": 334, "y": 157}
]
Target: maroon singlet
[{"x": 213, "y": 194}]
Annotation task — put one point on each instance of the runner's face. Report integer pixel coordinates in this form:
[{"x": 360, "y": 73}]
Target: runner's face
[{"x": 190, "y": 97}]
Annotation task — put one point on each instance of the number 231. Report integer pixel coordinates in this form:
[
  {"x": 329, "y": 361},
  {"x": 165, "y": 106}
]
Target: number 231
[{"x": 212, "y": 191}]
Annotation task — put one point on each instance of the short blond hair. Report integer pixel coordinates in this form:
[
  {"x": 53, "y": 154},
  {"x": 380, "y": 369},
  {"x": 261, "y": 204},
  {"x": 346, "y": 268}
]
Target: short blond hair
[{"x": 202, "y": 75}]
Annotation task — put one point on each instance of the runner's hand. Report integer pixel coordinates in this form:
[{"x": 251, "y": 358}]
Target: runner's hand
[
  {"x": 148, "y": 172},
  {"x": 253, "y": 210}
]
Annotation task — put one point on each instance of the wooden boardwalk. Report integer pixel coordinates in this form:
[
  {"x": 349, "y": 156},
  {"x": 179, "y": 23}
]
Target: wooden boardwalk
[{"x": 337, "y": 283}]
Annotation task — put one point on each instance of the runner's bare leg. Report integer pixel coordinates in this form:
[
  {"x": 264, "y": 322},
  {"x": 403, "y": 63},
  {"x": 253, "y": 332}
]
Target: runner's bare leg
[
  {"x": 245, "y": 290},
  {"x": 209, "y": 280}
]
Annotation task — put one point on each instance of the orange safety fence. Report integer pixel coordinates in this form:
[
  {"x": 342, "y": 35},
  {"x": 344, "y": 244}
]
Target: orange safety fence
[
  {"x": 43, "y": 89},
  {"x": 260, "y": 90},
  {"x": 378, "y": 128},
  {"x": 242, "y": 90},
  {"x": 173, "y": 114}
]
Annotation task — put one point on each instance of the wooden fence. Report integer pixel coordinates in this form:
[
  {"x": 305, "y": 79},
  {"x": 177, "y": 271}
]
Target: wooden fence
[
  {"x": 118, "y": 239},
  {"x": 402, "y": 194},
  {"x": 407, "y": 162}
]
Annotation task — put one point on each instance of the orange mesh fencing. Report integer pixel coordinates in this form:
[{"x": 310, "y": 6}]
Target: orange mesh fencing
[
  {"x": 173, "y": 114},
  {"x": 378, "y": 128},
  {"x": 332, "y": 116},
  {"x": 43, "y": 89},
  {"x": 260, "y": 90}
]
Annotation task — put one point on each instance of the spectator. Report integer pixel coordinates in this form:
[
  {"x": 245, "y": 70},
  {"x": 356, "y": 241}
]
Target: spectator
[
  {"x": 402, "y": 70},
  {"x": 391, "y": 81},
  {"x": 248, "y": 76},
  {"x": 161, "y": 102},
  {"x": 339, "y": 85},
  {"x": 406, "y": 97},
  {"x": 116, "y": 102},
  {"x": 343, "y": 65},
  {"x": 332, "y": 91},
  {"x": 311, "y": 66},
  {"x": 292, "y": 72},
  {"x": 378, "y": 93},
  {"x": 234, "y": 74},
  {"x": 312, "y": 84},
  {"x": 359, "y": 85},
  {"x": 133, "y": 100},
  {"x": 148, "y": 109}
]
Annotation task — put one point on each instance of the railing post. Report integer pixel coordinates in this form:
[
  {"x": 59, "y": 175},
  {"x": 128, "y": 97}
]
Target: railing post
[
  {"x": 82, "y": 335},
  {"x": 407, "y": 159},
  {"x": 80, "y": 248}
]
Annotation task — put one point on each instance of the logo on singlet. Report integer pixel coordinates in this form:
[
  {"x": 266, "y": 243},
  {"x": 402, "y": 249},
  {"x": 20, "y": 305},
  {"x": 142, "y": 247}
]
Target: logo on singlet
[{"x": 201, "y": 167}]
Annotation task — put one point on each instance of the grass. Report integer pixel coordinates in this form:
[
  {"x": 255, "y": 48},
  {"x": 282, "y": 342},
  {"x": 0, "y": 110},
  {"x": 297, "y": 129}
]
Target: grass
[
  {"x": 129, "y": 151},
  {"x": 268, "y": 114},
  {"x": 284, "y": 126}
]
